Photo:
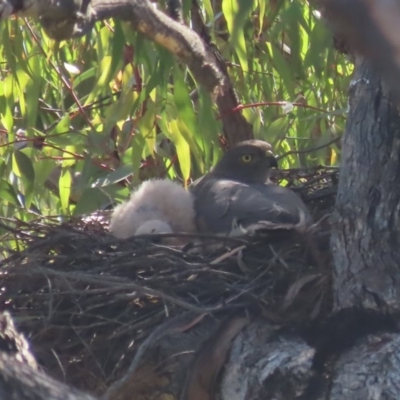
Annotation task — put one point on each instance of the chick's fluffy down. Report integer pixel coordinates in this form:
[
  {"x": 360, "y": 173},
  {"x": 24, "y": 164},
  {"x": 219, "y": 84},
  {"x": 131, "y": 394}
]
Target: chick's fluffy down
[
  {"x": 161, "y": 200},
  {"x": 153, "y": 226}
]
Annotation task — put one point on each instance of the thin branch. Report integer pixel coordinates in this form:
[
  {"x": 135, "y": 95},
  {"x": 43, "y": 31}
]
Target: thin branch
[{"x": 310, "y": 150}]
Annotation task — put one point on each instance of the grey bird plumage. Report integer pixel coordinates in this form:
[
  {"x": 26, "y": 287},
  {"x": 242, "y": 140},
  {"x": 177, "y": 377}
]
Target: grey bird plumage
[{"x": 237, "y": 198}]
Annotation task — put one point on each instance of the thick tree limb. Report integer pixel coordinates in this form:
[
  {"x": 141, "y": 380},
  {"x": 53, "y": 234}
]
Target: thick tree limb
[
  {"x": 265, "y": 365},
  {"x": 369, "y": 370},
  {"x": 202, "y": 378},
  {"x": 20, "y": 378},
  {"x": 352, "y": 354},
  {"x": 371, "y": 28},
  {"x": 70, "y": 18},
  {"x": 368, "y": 197}
]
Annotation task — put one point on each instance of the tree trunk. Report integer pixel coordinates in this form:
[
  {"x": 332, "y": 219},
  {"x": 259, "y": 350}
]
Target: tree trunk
[
  {"x": 268, "y": 366},
  {"x": 356, "y": 356},
  {"x": 366, "y": 228}
]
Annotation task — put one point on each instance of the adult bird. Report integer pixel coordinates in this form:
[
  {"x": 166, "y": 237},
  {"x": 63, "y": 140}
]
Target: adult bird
[{"x": 237, "y": 197}]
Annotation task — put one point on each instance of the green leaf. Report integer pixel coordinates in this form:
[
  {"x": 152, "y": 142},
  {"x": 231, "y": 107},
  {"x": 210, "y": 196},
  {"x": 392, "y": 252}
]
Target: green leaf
[
  {"x": 64, "y": 125},
  {"x": 22, "y": 166},
  {"x": 91, "y": 200},
  {"x": 8, "y": 193},
  {"x": 277, "y": 129},
  {"x": 284, "y": 70},
  {"x": 114, "y": 177},
  {"x": 118, "y": 42},
  {"x": 183, "y": 101},
  {"x": 236, "y": 13},
  {"x": 172, "y": 131},
  {"x": 261, "y": 15},
  {"x": 64, "y": 188},
  {"x": 138, "y": 144},
  {"x": 33, "y": 89},
  {"x": 147, "y": 126},
  {"x": 43, "y": 170},
  {"x": 68, "y": 156}
]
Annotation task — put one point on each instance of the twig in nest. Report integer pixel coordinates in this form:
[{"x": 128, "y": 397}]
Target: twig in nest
[{"x": 120, "y": 284}]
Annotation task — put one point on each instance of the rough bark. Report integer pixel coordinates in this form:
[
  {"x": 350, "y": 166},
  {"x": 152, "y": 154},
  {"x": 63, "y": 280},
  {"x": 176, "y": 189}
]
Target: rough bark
[
  {"x": 366, "y": 250},
  {"x": 20, "y": 378},
  {"x": 370, "y": 370},
  {"x": 20, "y": 382},
  {"x": 366, "y": 229},
  {"x": 266, "y": 365},
  {"x": 351, "y": 355},
  {"x": 365, "y": 240}
]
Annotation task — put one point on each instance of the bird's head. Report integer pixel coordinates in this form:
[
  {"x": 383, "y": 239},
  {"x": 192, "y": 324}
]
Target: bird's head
[{"x": 249, "y": 161}]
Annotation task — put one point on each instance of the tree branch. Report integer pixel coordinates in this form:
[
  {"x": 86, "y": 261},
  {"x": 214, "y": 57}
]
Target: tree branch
[{"x": 371, "y": 28}]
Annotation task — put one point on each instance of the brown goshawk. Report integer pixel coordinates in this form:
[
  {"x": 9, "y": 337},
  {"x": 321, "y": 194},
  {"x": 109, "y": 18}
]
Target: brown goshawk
[{"x": 237, "y": 198}]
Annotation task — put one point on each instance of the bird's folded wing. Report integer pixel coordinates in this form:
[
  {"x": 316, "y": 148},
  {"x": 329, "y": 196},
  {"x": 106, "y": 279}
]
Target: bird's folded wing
[{"x": 223, "y": 206}]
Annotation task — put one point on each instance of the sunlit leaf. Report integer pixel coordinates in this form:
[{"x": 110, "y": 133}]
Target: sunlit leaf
[
  {"x": 236, "y": 13},
  {"x": 64, "y": 187},
  {"x": 147, "y": 126},
  {"x": 8, "y": 193},
  {"x": 69, "y": 158},
  {"x": 114, "y": 176},
  {"x": 22, "y": 166},
  {"x": 172, "y": 131}
]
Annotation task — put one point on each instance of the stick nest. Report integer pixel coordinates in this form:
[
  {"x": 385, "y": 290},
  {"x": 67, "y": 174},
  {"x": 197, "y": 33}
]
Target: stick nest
[{"x": 87, "y": 301}]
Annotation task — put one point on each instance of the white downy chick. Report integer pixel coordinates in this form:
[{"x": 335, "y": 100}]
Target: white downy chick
[
  {"x": 159, "y": 200},
  {"x": 153, "y": 226}
]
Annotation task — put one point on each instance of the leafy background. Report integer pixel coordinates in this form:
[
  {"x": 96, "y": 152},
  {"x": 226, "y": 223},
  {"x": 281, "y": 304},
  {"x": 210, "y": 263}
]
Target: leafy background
[{"x": 84, "y": 121}]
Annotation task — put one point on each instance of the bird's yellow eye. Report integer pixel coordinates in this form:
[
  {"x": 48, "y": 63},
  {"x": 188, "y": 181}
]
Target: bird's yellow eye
[{"x": 246, "y": 158}]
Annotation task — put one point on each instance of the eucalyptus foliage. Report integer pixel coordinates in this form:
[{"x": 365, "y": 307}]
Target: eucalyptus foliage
[{"x": 83, "y": 121}]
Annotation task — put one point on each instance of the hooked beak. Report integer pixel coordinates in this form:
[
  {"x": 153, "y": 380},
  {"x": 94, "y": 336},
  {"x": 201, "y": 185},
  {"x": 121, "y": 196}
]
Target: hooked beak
[{"x": 273, "y": 162}]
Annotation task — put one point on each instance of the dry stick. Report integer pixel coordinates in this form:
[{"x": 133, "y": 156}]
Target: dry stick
[
  {"x": 311, "y": 149},
  {"x": 180, "y": 323},
  {"x": 203, "y": 236},
  {"x": 120, "y": 284},
  {"x": 227, "y": 255}
]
